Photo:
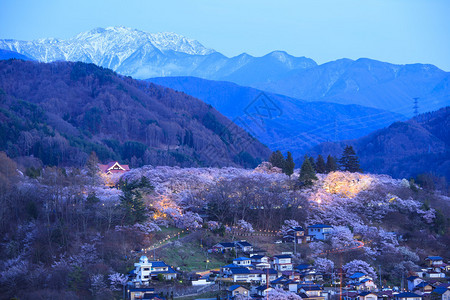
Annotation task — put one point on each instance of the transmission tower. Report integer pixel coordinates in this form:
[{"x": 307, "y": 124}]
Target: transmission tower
[{"x": 416, "y": 106}]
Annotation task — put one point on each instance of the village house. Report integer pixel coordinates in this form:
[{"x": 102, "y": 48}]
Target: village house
[
  {"x": 113, "y": 168},
  {"x": 244, "y": 246},
  {"x": 263, "y": 290},
  {"x": 227, "y": 269},
  {"x": 440, "y": 293},
  {"x": 111, "y": 172},
  {"x": 423, "y": 288},
  {"x": 268, "y": 273},
  {"x": 407, "y": 296},
  {"x": 138, "y": 293},
  {"x": 413, "y": 281},
  {"x": 223, "y": 247},
  {"x": 361, "y": 282},
  {"x": 296, "y": 234},
  {"x": 282, "y": 262},
  {"x": 319, "y": 231},
  {"x": 242, "y": 261},
  {"x": 434, "y": 261},
  {"x": 367, "y": 296},
  {"x": 146, "y": 270},
  {"x": 237, "y": 289},
  {"x": 313, "y": 291}
]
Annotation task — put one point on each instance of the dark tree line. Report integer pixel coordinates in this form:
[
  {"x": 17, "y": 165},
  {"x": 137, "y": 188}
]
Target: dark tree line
[{"x": 348, "y": 161}]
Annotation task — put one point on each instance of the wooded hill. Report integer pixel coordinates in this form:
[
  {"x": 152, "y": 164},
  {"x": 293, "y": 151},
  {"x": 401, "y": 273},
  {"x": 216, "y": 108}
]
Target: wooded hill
[
  {"x": 404, "y": 149},
  {"x": 60, "y": 112}
]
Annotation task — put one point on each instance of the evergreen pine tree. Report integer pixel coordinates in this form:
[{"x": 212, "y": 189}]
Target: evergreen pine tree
[
  {"x": 277, "y": 159},
  {"x": 307, "y": 174},
  {"x": 92, "y": 164},
  {"x": 349, "y": 161},
  {"x": 331, "y": 164},
  {"x": 320, "y": 165},
  {"x": 313, "y": 163},
  {"x": 289, "y": 165}
]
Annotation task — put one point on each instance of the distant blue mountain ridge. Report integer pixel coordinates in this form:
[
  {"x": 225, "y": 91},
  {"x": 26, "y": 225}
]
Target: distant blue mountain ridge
[{"x": 282, "y": 122}]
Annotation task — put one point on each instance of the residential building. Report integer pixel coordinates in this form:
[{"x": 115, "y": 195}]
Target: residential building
[
  {"x": 242, "y": 261},
  {"x": 319, "y": 231},
  {"x": 367, "y": 296},
  {"x": 111, "y": 172},
  {"x": 244, "y": 246},
  {"x": 440, "y": 293},
  {"x": 282, "y": 262},
  {"x": 434, "y": 261},
  {"x": 407, "y": 296},
  {"x": 423, "y": 288},
  {"x": 223, "y": 247},
  {"x": 145, "y": 270},
  {"x": 237, "y": 289},
  {"x": 413, "y": 281}
]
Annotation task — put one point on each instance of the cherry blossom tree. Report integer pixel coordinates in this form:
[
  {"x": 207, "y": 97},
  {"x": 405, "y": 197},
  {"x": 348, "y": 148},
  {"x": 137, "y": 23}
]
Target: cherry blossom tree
[
  {"x": 357, "y": 265},
  {"x": 288, "y": 224},
  {"x": 323, "y": 265},
  {"x": 244, "y": 226},
  {"x": 116, "y": 280},
  {"x": 279, "y": 294},
  {"x": 341, "y": 237},
  {"x": 188, "y": 220}
]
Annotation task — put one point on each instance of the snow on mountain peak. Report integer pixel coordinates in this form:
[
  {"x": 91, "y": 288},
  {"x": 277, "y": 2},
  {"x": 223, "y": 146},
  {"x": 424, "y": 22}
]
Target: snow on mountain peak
[{"x": 108, "y": 47}]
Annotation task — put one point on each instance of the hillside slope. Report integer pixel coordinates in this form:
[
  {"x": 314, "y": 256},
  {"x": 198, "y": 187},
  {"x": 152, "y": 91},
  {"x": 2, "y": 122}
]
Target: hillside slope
[
  {"x": 60, "y": 112},
  {"x": 403, "y": 149},
  {"x": 293, "y": 125}
]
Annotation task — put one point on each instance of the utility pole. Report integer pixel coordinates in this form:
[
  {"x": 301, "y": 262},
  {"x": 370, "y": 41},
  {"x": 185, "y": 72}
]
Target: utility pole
[
  {"x": 379, "y": 268},
  {"x": 416, "y": 106},
  {"x": 295, "y": 242}
]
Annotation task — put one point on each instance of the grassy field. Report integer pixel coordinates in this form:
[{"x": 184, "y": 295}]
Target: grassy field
[{"x": 189, "y": 256}]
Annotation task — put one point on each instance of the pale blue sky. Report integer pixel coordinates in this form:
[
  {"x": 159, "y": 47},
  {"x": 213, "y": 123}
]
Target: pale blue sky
[{"x": 397, "y": 31}]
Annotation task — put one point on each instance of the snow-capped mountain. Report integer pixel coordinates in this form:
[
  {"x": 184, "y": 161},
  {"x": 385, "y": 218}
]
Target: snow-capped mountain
[
  {"x": 110, "y": 47},
  {"x": 142, "y": 55}
]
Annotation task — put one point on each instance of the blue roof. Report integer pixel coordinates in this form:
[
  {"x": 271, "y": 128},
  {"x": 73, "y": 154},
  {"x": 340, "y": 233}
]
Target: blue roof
[
  {"x": 283, "y": 256},
  {"x": 440, "y": 290},
  {"x": 158, "y": 264},
  {"x": 422, "y": 284},
  {"x": 271, "y": 271},
  {"x": 227, "y": 245},
  {"x": 434, "y": 258},
  {"x": 407, "y": 295},
  {"x": 240, "y": 271},
  {"x": 169, "y": 271},
  {"x": 241, "y": 259},
  {"x": 244, "y": 243},
  {"x": 303, "y": 267},
  {"x": 231, "y": 266},
  {"x": 320, "y": 226},
  {"x": 233, "y": 287},
  {"x": 357, "y": 275},
  {"x": 366, "y": 293}
]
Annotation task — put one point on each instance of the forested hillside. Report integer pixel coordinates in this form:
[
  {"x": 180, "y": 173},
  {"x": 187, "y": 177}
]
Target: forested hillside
[
  {"x": 60, "y": 112},
  {"x": 404, "y": 149}
]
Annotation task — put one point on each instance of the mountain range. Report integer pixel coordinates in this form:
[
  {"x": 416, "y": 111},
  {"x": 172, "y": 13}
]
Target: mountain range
[
  {"x": 143, "y": 55},
  {"x": 294, "y": 125},
  {"x": 60, "y": 112},
  {"x": 403, "y": 149}
]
